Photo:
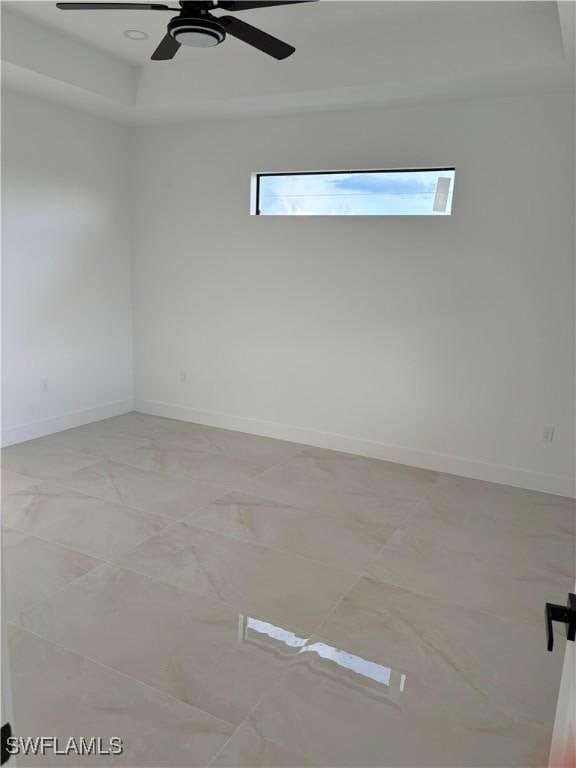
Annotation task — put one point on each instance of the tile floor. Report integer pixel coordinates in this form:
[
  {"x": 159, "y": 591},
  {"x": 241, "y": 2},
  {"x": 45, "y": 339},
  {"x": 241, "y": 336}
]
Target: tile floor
[{"x": 221, "y": 599}]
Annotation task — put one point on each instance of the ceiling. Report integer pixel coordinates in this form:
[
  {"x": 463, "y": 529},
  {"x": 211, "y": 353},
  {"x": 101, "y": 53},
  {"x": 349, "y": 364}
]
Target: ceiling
[{"x": 349, "y": 53}]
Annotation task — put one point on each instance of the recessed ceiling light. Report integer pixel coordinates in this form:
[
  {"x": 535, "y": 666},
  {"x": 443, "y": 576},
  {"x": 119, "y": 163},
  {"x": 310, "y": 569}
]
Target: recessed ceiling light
[{"x": 135, "y": 34}]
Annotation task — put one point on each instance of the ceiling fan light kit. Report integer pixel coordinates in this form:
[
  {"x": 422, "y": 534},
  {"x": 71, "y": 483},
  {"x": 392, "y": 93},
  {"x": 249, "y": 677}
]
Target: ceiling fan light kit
[
  {"x": 200, "y": 33},
  {"x": 195, "y": 26}
]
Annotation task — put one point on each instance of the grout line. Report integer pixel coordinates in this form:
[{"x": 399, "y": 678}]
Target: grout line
[
  {"x": 274, "y": 684},
  {"x": 229, "y": 739},
  {"x": 19, "y": 474},
  {"x": 233, "y": 487},
  {"x": 187, "y": 589},
  {"x": 90, "y": 458},
  {"x": 285, "y": 674},
  {"x": 74, "y": 581},
  {"x": 150, "y": 440},
  {"x": 147, "y": 442},
  {"x": 256, "y": 545},
  {"x": 170, "y": 523},
  {"x": 118, "y": 563},
  {"x": 56, "y": 483},
  {"x": 57, "y": 544},
  {"x": 335, "y": 607},
  {"x": 159, "y": 516},
  {"x": 75, "y": 550},
  {"x": 364, "y": 573},
  {"x": 116, "y": 671},
  {"x": 268, "y": 740},
  {"x": 268, "y": 547},
  {"x": 86, "y": 552}
]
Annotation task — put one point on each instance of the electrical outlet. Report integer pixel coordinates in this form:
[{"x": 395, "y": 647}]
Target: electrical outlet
[
  {"x": 44, "y": 385},
  {"x": 183, "y": 377},
  {"x": 548, "y": 434}
]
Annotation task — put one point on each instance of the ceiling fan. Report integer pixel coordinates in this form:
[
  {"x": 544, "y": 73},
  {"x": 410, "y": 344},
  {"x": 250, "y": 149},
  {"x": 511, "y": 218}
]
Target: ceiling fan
[{"x": 196, "y": 26}]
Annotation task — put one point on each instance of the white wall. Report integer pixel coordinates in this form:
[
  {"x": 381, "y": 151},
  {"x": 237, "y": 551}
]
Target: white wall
[
  {"x": 442, "y": 342},
  {"x": 66, "y": 256}
]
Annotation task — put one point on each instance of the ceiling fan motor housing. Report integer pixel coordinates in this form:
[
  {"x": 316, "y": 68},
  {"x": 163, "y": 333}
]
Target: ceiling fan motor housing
[{"x": 198, "y": 31}]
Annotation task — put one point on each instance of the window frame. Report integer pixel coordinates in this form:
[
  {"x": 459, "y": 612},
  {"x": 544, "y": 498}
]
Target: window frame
[{"x": 256, "y": 176}]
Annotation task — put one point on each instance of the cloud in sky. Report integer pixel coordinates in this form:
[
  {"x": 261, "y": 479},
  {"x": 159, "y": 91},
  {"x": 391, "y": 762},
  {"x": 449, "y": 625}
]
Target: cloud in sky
[{"x": 385, "y": 184}]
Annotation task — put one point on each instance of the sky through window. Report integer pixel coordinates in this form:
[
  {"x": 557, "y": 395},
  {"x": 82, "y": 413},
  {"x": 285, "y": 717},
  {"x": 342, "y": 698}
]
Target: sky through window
[{"x": 356, "y": 193}]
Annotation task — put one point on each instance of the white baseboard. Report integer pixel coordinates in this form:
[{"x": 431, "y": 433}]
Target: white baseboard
[
  {"x": 453, "y": 465},
  {"x": 24, "y": 432}
]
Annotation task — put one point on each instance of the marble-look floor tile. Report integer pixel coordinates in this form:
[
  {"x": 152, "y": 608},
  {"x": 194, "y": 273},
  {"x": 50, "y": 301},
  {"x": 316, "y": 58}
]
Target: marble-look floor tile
[
  {"x": 467, "y": 578},
  {"x": 236, "y": 445},
  {"x": 169, "y": 433},
  {"x": 276, "y": 586},
  {"x": 506, "y": 531},
  {"x": 12, "y": 482},
  {"x": 276, "y": 485},
  {"x": 34, "y": 569},
  {"x": 340, "y": 713},
  {"x": 89, "y": 524},
  {"x": 82, "y": 441},
  {"x": 169, "y": 496},
  {"x": 334, "y": 536},
  {"x": 467, "y": 666},
  {"x": 359, "y": 473},
  {"x": 42, "y": 463},
  {"x": 461, "y": 497},
  {"x": 198, "y": 650},
  {"x": 246, "y": 749},
  {"x": 436, "y": 657},
  {"x": 459, "y": 500},
  {"x": 198, "y": 465},
  {"x": 62, "y": 694},
  {"x": 240, "y": 445},
  {"x": 142, "y": 425}
]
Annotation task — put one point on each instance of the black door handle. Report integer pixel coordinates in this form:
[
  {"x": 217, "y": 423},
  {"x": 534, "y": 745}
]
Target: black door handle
[
  {"x": 4, "y": 752},
  {"x": 566, "y": 614}
]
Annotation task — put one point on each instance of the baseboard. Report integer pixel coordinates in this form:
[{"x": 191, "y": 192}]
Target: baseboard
[
  {"x": 24, "y": 432},
  {"x": 453, "y": 465}
]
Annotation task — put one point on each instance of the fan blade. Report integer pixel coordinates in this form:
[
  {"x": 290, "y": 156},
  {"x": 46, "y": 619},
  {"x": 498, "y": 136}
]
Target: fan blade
[
  {"x": 167, "y": 48},
  {"x": 113, "y": 7},
  {"x": 256, "y": 38},
  {"x": 242, "y": 5}
]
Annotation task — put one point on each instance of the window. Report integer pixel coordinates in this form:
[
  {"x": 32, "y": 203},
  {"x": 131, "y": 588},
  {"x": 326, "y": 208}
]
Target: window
[{"x": 415, "y": 192}]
